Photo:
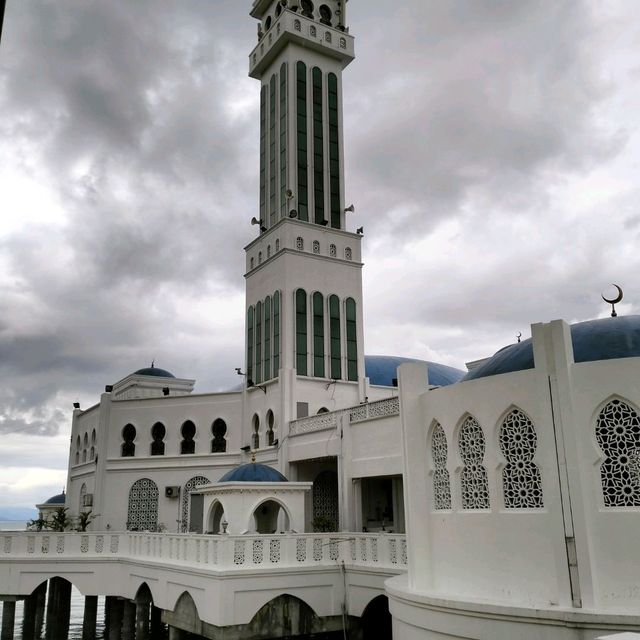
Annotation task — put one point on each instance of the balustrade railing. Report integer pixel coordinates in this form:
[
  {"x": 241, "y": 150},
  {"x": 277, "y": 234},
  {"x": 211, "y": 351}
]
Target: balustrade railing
[
  {"x": 314, "y": 423},
  {"x": 220, "y": 552},
  {"x": 377, "y": 409}
]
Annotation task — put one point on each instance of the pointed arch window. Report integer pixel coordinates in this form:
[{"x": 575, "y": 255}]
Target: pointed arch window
[
  {"x": 258, "y": 370},
  {"x": 318, "y": 335},
  {"x": 250, "y": 331},
  {"x": 521, "y": 480},
  {"x": 334, "y": 337},
  {"x": 188, "y": 431},
  {"x": 190, "y": 486},
  {"x": 473, "y": 478},
  {"x": 255, "y": 437},
  {"x": 128, "y": 448},
  {"x": 276, "y": 333},
  {"x": 85, "y": 450},
  {"x": 158, "y": 433},
  {"x": 618, "y": 435},
  {"x": 301, "y": 119},
  {"x": 83, "y": 493},
  {"x": 219, "y": 430},
  {"x": 270, "y": 428},
  {"x": 78, "y": 447},
  {"x": 352, "y": 339},
  {"x": 301, "y": 332},
  {"x": 441, "y": 482},
  {"x": 267, "y": 338}
]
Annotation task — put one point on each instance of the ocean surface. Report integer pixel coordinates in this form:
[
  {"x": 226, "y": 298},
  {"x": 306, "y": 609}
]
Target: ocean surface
[{"x": 77, "y": 599}]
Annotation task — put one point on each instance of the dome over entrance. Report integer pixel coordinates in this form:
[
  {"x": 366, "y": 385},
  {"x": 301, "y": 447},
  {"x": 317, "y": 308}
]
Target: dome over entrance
[
  {"x": 57, "y": 499},
  {"x": 253, "y": 472}
]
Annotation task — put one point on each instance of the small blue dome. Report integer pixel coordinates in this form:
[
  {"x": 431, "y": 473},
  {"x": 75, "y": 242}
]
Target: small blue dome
[
  {"x": 153, "y": 371},
  {"x": 381, "y": 370},
  {"x": 603, "y": 339},
  {"x": 253, "y": 472},
  {"x": 59, "y": 499}
]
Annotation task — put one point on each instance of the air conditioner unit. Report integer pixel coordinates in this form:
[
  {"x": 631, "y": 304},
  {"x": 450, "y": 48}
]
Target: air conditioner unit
[
  {"x": 172, "y": 492},
  {"x": 88, "y": 500}
]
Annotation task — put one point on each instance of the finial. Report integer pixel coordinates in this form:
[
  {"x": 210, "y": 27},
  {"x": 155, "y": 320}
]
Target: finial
[
  {"x": 253, "y": 457},
  {"x": 519, "y": 336},
  {"x": 614, "y": 301},
  {"x": 153, "y": 362}
]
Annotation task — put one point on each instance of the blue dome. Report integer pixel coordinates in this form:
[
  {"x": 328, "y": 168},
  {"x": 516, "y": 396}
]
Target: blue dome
[
  {"x": 153, "y": 371},
  {"x": 603, "y": 339},
  {"x": 59, "y": 499},
  {"x": 253, "y": 472},
  {"x": 381, "y": 370}
]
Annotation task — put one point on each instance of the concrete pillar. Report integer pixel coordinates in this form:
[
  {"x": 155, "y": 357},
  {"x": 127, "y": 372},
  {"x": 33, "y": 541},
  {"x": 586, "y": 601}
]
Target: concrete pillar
[
  {"x": 157, "y": 627},
  {"x": 115, "y": 618},
  {"x": 90, "y": 617},
  {"x": 129, "y": 620},
  {"x": 142, "y": 620},
  {"x": 40, "y": 595},
  {"x": 8, "y": 619},
  {"x": 176, "y": 634},
  {"x": 58, "y": 609},
  {"x": 30, "y": 615}
]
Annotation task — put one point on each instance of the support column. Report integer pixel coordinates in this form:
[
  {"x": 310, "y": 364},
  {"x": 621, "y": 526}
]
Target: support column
[
  {"x": 90, "y": 617},
  {"x": 63, "y": 612},
  {"x": 30, "y": 614},
  {"x": 41, "y": 600},
  {"x": 8, "y": 619},
  {"x": 157, "y": 627},
  {"x": 142, "y": 620},
  {"x": 176, "y": 634},
  {"x": 129, "y": 620},
  {"x": 115, "y": 618}
]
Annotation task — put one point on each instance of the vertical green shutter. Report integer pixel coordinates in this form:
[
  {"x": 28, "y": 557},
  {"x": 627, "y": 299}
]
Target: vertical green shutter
[
  {"x": 334, "y": 151},
  {"x": 250, "y": 344},
  {"x": 301, "y": 118},
  {"x": 318, "y": 147},
  {"x": 272, "y": 151},
  {"x": 283, "y": 142},
  {"x": 276, "y": 333},
  {"x": 352, "y": 341},
  {"x": 318, "y": 335},
  {"x": 258, "y": 342},
  {"x": 301, "y": 332},
  {"x": 334, "y": 336},
  {"x": 263, "y": 151},
  {"x": 267, "y": 338}
]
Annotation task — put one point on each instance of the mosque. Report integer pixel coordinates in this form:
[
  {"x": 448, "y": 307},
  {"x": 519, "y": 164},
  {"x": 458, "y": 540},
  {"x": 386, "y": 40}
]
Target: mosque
[{"x": 506, "y": 497}]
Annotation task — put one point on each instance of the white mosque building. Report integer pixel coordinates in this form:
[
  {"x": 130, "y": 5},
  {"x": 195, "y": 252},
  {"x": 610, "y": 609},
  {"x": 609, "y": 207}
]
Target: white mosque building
[{"x": 502, "y": 502}]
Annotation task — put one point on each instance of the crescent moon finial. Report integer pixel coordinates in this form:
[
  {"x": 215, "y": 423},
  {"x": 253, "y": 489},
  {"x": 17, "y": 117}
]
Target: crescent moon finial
[
  {"x": 519, "y": 336},
  {"x": 614, "y": 301}
]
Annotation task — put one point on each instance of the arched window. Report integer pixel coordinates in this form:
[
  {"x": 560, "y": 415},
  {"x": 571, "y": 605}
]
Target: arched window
[
  {"x": 301, "y": 332},
  {"x": 318, "y": 335},
  {"x": 441, "y": 483},
  {"x": 276, "y": 333},
  {"x": 255, "y": 437},
  {"x": 333, "y": 251},
  {"x": 618, "y": 435},
  {"x": 343, "y": 43},
  {"x": 334, "y": 151},
  {"x": 191, "y": 521},
  {"x": 334, "y": 337},
  {"x": 188, "y": 432},
  {"x": 250, "y": 343},
  {"x": 300, "y": 244},
  {"x": 83, "y": 493},
  {"x": 251, "y": 263},
  {"x": 297, "y": 25},
  {"x": 270, "y": 424},
  {"x": 348, "y": 255},
  {"x": 267, "y": 23},
  {"x": 259, "y": 257},
  {"x": 78, "y": 448},
  {"x": 219, "y": 430},
  {"x": 312, "y": 31},
  {"x": 323, "y": 410},
  {"x": 521, "y": 480},
  {"x": 325, "y": 14},
  {"x": 268, "y": 251},
  {"x": 283, "y": 140},
  {"x": 352, "y": 339},
  {"x": 93, "y": 437},
  {"x": 272, "y": 149},
  {"x": 318, "y": 148},
  {"x": 128, "y": 449},
  {"x": 142, "y": 514},
  {"x": 158, "y": 433},
  {"x": 473, "y": 479},
  {"x": 301, "y": 118},
  {"x": 316, "y": 246},
  {"x": 258, "y": 369},
  {"x": 267, "y": 338},
  {"x": 85, "y": 450},
  {"x": 307, "y": 8},
  {"x": 277, "y": 245},
  {"x": 92, "y": 453}
]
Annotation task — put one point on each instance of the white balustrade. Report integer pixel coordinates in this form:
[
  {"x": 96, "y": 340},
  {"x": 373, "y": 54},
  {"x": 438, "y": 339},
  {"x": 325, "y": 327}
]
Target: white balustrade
[{"x": 373, "y": 410}]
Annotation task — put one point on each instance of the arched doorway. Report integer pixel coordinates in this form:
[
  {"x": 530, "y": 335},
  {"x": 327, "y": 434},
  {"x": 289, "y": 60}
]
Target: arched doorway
[
  {"x": 376, "y": 620},
  {"x": 215, "y": 518},
  {"x": 266, "y": 515}
]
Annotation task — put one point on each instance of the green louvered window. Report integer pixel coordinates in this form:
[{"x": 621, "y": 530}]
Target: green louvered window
[
  {"x": 301, "y": 119},
  {"x": 334, "y": 337},
  {"x": 250, "y": 344},
  {"x": 276, "y": 333},
  {"x": 334, "y": 151},
  {"x": 272, "y": 151},
  {"x": 301, "y": 332},
  {"x": 267, "y": 338},
  {"x": 263, "y": 151},
  {"x": 352, "y": 340},
  {"x": 318, "y": 147},
  {"x": 283, "y": 141},
  {"x": 318, "y": 335},
  {"x": 258, "y": 377}
]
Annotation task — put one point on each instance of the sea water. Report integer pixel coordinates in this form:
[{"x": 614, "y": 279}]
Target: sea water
[{"x": 77, "y": 600}]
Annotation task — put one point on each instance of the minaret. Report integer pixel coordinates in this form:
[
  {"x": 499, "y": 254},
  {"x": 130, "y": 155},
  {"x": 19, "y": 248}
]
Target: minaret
[{"x": 304, "y": 272}]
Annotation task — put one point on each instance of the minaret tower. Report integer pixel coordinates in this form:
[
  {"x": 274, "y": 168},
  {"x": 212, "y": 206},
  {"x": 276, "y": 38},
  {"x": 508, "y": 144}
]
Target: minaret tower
[{"x": 304, "y": 273}]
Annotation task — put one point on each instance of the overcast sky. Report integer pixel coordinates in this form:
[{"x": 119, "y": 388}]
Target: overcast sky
[{"x": 492, "y": 153}]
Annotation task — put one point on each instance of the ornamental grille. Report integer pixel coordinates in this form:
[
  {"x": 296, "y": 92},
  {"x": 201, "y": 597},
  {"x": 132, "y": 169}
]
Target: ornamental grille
[
  {"x": 473, "y": 479},
  {"x": 618, "y": 435},
  {"x": 186, "y": 498},
  {"x": 316, "y": 246},
  {"x": 301, "y": 549},
  {"x": 142, "y": 514},
  {"x": 325, "y": 499},
  {"x": 258, "y": 551},
  {"x": 521, "y": 479},
  {"x": 441, "y": 482},
  {"x": 274, "y": 551}
]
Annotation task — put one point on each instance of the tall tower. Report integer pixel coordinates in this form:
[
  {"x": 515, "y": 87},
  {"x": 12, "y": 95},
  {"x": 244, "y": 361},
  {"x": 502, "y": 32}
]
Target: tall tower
[{"x": 304, "y": 272}]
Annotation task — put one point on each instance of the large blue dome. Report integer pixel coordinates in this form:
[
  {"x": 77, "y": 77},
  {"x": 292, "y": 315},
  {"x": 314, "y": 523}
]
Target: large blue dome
[
  {"x": 253, "y": 472},
  {"x": 58, "y": 499},
  {"x": 153, "y": 371},
  {"x": 603, "y": 339},
  {"x": 381, "y": 370}
]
